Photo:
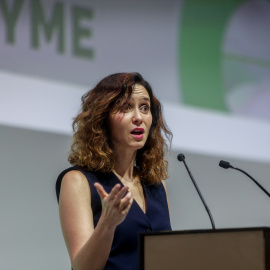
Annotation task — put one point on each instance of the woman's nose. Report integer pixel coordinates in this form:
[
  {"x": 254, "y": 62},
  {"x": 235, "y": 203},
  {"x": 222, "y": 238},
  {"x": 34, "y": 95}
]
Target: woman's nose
[{"x": 137, "y": 118}]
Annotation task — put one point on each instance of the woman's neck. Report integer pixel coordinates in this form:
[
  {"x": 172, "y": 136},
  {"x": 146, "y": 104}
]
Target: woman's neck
[{"x": 124, "y": 166}]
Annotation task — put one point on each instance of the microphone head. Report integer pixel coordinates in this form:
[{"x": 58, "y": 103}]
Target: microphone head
[
  {"x": 181, "y": 157},
  {"x": 224, "y": 164}
]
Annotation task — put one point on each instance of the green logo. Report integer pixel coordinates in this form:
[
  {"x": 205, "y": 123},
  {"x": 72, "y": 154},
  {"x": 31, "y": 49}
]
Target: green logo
[{"x": 201, "y": 55}]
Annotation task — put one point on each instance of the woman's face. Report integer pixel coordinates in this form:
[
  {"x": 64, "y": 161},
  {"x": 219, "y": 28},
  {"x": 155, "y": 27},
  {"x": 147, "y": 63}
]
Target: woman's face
[{"x": 129, "y": 127}]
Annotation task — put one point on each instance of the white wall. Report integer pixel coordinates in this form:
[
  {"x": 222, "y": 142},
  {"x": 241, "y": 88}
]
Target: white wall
[{"x": 30, "y": 232}]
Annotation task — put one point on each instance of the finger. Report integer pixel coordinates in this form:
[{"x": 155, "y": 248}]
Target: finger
[
  {"x": 102, "y": 193},
  {"x": 121, "y": 193},
  {"x": 125, "y": 201},
  {"x": 118, "y": 198},
  {"x": 114, "y": 191},
  {"x": 127, "y": 208}
]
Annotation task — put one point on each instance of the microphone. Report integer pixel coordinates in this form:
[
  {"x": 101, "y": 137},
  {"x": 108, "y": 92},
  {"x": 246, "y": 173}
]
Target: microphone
[
  {"x": 226, "y": 165},
  {"x": 181, "y": 158}
]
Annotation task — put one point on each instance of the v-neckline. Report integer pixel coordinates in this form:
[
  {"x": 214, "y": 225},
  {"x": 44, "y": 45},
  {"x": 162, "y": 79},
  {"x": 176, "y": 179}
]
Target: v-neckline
[{"x": 134, "y": 201}]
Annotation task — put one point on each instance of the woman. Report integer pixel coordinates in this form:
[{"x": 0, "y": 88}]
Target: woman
[{"x": 115, "y": 188}]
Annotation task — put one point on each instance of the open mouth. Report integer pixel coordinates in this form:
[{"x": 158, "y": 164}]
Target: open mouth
[{"x": 137, "y": 133}]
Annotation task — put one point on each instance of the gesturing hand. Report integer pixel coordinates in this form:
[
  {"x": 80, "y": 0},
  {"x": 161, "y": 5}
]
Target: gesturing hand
[{"x": 115, "y": 205}]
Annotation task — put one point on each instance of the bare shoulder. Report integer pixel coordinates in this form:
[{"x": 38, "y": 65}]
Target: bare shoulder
[
  {"x": 74, "y": 178},
  {"x": 74, "y": 182},
  {"x": 75, "y": 196}
]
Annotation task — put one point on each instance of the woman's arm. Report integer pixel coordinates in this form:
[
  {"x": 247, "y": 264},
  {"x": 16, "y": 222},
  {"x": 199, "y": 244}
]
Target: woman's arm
[{"x": 89, "y": 247}]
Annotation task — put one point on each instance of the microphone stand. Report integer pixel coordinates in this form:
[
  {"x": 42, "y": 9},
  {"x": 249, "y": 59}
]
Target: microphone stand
[
  {"x": 198, "y": 190},
  {"x": 259, "y": 185}
]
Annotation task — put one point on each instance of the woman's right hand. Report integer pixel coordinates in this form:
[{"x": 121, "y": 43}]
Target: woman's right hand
[{"x": 115, "y": 205}]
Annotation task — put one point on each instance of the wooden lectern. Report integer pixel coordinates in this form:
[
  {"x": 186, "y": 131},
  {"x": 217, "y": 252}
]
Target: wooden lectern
[{"x": 221, "y": 249}]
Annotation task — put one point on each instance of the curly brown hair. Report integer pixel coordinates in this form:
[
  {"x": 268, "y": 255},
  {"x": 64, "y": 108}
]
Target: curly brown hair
[{"x": 92, "y": 149}]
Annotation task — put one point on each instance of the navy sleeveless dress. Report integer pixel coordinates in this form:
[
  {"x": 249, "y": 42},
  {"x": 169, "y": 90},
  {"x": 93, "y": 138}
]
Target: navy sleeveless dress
[{"x": 124, "y": 251}]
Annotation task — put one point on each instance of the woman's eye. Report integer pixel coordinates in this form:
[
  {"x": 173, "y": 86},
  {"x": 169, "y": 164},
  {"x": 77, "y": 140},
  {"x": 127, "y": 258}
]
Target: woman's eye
[{"x": 145, "y": 108}]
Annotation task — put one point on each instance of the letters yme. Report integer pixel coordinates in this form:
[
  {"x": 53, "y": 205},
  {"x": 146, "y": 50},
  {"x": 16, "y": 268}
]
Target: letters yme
[{"x": 49, "y": 23}]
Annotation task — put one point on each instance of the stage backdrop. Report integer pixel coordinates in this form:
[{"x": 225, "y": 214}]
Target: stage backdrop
[{"x": 209, "y": 64}]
